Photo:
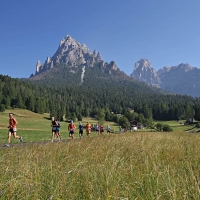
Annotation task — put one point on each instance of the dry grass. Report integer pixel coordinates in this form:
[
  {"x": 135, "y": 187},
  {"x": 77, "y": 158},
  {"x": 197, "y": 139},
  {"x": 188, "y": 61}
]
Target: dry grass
[{"x": 126, "y": 166}]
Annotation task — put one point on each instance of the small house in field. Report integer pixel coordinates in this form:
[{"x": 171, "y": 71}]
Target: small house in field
[
  {"x": 136, "y": 124},
  {"x": 190, "y": 121},
  {"x": 135, "y": 128}
]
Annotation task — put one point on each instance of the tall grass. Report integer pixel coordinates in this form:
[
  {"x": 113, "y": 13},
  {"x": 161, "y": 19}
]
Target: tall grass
[{"x": 126, "y": 166}]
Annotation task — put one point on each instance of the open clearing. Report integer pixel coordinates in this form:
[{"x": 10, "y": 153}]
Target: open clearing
[{"x": 35, "y": 127}]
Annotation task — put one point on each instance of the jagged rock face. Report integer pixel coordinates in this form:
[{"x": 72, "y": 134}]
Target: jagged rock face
[
  {"x": 72, "y": 53},
  {"x": 144, "y": 72},
  {"x": 181, "y": 79},
  {"x": 180, "y": 68}
]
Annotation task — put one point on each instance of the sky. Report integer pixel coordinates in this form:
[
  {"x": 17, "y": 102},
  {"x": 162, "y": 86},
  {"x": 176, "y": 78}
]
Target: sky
[{"x": 166, "y": 32}]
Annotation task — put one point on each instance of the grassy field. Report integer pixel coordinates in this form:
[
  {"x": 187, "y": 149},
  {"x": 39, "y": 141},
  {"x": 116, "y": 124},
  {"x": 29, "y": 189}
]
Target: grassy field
[
  {"x": 137, "y": 165},
  {"x": 123, "y": 166},
  {"x": 35, "y": 127},
  {"x": 177, "y": 126}
]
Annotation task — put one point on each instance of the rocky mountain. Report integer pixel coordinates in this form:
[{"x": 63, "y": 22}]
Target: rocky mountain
[
  {"x": 73, "y": 64},
  {"x": 144, "y": 72},
  {"x": 75, "y": 58},
  {"x": 181, "y": 79}
]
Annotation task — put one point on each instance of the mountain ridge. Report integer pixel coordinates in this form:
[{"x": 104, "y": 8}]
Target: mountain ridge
[
  {"x": 180, "y": 79},
  {"x": 72, "y": 60}
]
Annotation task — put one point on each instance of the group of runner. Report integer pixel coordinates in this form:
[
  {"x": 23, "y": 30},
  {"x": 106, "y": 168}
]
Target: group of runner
[
  {"x": 71, "y": 128},
  {"x": 55, "y": 124}
]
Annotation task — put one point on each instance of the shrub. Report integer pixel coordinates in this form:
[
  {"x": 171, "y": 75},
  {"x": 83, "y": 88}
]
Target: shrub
[
  {"x": 159, "y": 126},
  {"x": 2, "y": 108},
  {"x": 167, "y": 128}
]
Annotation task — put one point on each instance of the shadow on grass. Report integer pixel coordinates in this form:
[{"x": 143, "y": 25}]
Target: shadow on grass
[
  {"x": 47, "y": 118},
  {"x": 190, "y": 128}
]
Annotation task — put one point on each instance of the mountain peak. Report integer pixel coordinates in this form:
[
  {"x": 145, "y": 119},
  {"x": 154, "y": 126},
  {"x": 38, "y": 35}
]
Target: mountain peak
[
  {"x": 182, "y": 79},
  {"x": 73, "y": 56},
  {"x": 183, "y": 67},
  {"x": 69, "y": 52},
  {"x": 67, "y": 40},
  {"x": 144, "y": 72}
]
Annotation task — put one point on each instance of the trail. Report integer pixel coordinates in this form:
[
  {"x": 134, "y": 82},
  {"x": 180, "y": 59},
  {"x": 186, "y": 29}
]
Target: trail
[
  {"x": 24, "y": 144},
  {"x": 45, "y": 142}
]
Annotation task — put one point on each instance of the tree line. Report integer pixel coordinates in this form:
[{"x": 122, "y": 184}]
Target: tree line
[{"x": 105, "y": 96}]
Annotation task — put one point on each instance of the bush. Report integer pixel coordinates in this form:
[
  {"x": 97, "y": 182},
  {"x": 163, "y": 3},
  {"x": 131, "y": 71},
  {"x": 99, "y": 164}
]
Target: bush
[
  {"x": 124, "y": 123},
  {"x": 198, "y": 125},
  {"x": 159, "y": 126},
  {"x": 2, "y": 108},
  {"x": 167, "y": 128}
]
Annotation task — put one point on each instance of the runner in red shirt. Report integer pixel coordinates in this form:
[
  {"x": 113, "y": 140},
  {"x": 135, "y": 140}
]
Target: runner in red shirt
[
  {"x": 71, "y": 129},
  {"x": 101, "y": 129},
  {"x": 12, "y": 129}
]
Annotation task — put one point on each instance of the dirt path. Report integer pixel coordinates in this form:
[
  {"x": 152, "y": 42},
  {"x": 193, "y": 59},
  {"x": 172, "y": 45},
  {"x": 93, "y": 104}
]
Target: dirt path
[{"x": 23, "y": 144}]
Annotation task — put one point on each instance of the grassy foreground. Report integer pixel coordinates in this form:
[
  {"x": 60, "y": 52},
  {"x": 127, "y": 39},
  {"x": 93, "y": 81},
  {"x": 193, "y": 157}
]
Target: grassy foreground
[{"x": 115, "y": 167}]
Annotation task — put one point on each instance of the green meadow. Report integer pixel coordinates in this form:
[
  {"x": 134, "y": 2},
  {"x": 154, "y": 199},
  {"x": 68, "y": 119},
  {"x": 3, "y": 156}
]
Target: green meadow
[
  {"x": 35, "y": 127},
  {"x": 138, "y": 165}
]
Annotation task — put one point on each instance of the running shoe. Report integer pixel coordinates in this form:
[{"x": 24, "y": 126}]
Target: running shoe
[
  {"x": 7, "y": 145},
  {"x": 20, "y": 139}
]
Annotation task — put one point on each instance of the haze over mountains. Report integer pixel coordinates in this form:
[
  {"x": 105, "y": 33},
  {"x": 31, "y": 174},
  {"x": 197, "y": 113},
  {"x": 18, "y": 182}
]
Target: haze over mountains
[
  {"x": 181, "y": 79},
  {"x": 73, "y": 63}
]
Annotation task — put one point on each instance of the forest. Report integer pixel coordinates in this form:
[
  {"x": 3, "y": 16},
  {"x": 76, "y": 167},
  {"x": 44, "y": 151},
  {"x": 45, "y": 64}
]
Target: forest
[{"x": 104, "y": 98}]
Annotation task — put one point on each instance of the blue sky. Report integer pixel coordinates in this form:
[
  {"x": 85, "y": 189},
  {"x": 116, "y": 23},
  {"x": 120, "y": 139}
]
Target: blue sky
[{"x": 166, "y": 33}]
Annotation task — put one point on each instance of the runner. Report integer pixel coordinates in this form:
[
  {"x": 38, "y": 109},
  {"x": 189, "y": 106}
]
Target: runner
[
  {"x": 97, "y": 129},
  {"x": 13, "y": 129},
  {"x": 101, "y": 129},
  {"x": 120, "y": 129},
  {"x": 71, "y": 129},
  {"x": 58, "y": 135},
  {"x": 88, "y": 129},
  {"x": 108, "y": 129},
  {"x": 80, "y": 130},
  {"x": 54, "y": 124}
]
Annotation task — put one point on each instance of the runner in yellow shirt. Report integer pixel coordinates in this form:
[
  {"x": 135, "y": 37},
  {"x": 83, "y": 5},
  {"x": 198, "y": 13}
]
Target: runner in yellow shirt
[{"x": 88, "y": 129}]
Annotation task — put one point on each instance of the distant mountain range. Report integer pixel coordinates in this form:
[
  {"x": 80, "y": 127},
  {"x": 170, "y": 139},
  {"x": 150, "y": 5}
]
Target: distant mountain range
[
  {"x": 73, "y": 63},
  {"x": 181, "y": 79}
]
